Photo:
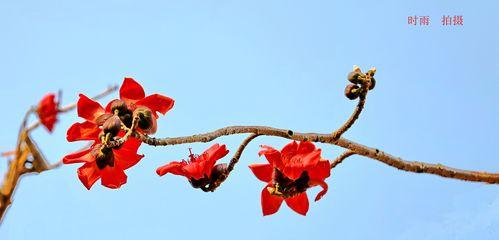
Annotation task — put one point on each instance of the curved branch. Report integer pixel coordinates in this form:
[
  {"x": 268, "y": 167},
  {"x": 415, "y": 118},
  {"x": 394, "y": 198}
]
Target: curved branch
[
  {"x": 355, "y": 115},
  {"x": 342, "y": 157},
  {"x": 399, "y": 163}
]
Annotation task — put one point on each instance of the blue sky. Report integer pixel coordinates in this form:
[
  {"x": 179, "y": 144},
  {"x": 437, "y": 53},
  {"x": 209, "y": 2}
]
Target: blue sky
[{"x": 276, "y": 63}]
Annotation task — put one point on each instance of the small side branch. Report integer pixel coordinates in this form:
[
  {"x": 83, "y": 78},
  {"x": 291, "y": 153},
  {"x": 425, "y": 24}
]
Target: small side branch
[{"x": 342, "y": 157}]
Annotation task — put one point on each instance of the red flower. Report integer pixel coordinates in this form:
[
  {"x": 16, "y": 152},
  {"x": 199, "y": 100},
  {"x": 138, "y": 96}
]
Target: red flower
[
  {"x": 47, "y": 111},
  {"x": 199, "y": 169},
  {"x": 94, "y": 115},
  {"x": 133, "y": 96},
  {"x": 290, "y": 172},
  {"x": 109, "y": 165}
]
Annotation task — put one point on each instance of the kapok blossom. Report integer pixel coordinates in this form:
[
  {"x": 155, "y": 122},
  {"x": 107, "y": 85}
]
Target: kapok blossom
[
  {"x": 106, "y": 164},
  {"x": 289, "y": 173},
  {"x": 132, "y": 98},
  {"x": 200, "y": 169},
  {"x": 47, "y": 111}
]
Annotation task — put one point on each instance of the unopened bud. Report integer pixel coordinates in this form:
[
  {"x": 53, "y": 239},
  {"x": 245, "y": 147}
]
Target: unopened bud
[
  {"x": 147, "y": 121},
  {"x": 352, "y": 91},
  {"x": 112, "y": 125},
  {"x": 354, "y": 77},
  {"x": 118, "y": 105}
]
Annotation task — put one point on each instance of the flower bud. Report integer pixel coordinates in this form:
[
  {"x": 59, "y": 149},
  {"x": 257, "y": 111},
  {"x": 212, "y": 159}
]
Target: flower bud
[
  {"x": 103, "y": 156},
  {"x": 147, "y": 122},
  {"x": 112, "y": 125},
  {"x": 354, "y": 77},
  {"x": 352, "y": 91},
  {"x": 119, "y": 105}
]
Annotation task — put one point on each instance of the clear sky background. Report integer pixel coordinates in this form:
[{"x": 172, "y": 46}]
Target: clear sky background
[{"x": 276, "y": 63}]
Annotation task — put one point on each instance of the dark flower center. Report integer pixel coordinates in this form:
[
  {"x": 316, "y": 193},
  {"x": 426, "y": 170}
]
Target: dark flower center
[
  {"x": 285, "y": 187},
  {"x": 103, "y": 157}
]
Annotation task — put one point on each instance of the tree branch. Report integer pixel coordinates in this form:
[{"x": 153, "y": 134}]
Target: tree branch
[{"x": 373, "y": 153}]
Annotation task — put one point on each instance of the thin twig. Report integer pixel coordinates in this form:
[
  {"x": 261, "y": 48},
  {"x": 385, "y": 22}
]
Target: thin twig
[
  {"x": 239, "y": 151},
  {"x": 399, "y": 163},
  {"x": 342, "y": 157}
]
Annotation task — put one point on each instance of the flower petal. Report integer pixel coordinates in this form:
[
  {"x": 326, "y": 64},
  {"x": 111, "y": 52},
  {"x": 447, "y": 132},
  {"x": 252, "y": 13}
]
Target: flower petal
[
  {"x": 211, "y": 156},
  {"x": 289, "y": 151},
  {"x": 131, "y": 91},
  {"x": 126, "y": 158},
  {"x": 113, "y": 177},
  {"x": 305, "y": 147},
  {"x": 324, "y": 188},
  {"x": 272, "y": 155},
  {"x": 198, "y": 169},
  {"x": 321, "y": 171},
  {"x": 157, "y": 103},
  {"x": 83, "y": 131},
  {"x": 88, "y": 174},
  {"x": 89, "y": 109},
  {"x": 299, "y": 203},
  {"x": 175, "y": 168},
  {"x": 270, "y": 203},
  {"x": 262, "y": 171},
  {"x": 79, "y": 157},
  {"x": 132, "y": 144}
]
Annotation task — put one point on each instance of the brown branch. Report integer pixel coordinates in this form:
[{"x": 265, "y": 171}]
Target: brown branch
[
  {"x": 355, "y": 115},
  {"x": 342, "y": 157},
  {"x": 239, "y": 151},
  {"x": 410, "y": 166}
]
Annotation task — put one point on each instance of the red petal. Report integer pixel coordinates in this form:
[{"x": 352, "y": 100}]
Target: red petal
[
  {"x": 198, "y": 169},
  {"x": 295, "y": 166},
  {"x": 88, "y": 174},
  {"x": 173, "y": 168},
  {"x": 157, "y": 103},
  {"x": 262, "y": 171},
  {"x": 83, "y": 131},
  {"x": 299, "y": 203},
  {"x": 47, "y": 111},
  {"x": 324, "y": 189},
  {"x": 131, "y": 91},
  {"x": 270, "y": 203},
  {"x": 289, "y": 151},
  {"x": 212, "y": 155},
  {"x": 79, "y": 157},
  {"x": 321, "y": 171},
  {"x": 113, "y": 177},
  {"x": 125, "y": 158},
  {"x": 272, "y": 155},
  {"x": 89, "y": 109},
  {"x": 132, "y": 144}
]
